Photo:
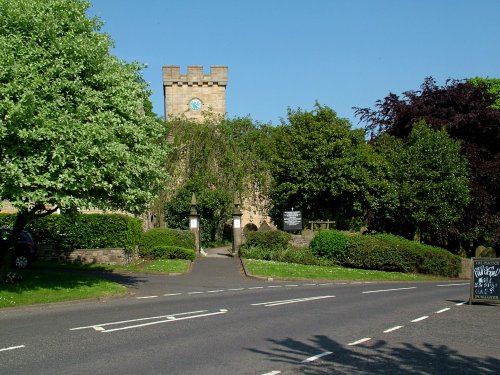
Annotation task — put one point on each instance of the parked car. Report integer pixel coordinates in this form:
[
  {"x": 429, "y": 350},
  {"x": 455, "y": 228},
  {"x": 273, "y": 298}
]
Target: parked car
[{"x": 25, "y": 247}]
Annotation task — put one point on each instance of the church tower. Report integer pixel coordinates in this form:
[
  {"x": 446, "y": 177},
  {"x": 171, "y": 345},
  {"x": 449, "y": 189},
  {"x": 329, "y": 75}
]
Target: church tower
[{"x": 193, "y": 93}]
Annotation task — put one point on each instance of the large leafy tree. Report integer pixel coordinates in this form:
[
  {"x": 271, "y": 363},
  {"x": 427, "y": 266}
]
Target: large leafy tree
[
  {"x": 73, "y": 129},
  {"x": 466, "y": 111},
  {"x": 215, "y": 159},
  {"x": 325, "y": 168},
  {"x": 430, "y": 178}
]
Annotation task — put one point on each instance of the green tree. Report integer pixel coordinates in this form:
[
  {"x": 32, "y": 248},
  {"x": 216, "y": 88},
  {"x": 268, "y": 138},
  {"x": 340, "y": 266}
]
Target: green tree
[
  {"x": 492, "y": 85},
  {"x": 215, "y": 159},
  {"x": 325, "y": 168},
  {"x": 73, "y": 129},
  {"x": 430, "y": 177}
]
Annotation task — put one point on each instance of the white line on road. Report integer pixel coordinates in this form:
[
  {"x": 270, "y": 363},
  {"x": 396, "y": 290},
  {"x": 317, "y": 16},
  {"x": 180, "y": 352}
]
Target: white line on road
[
  {"x": 196, "y": 292},
  {"x": 215, "y": 291},
  {"x": 453, "y": 284},
  {"x": 393, "y": 329},
  {"x": 284, "y": 302},
  {"x": 420, "y": 319},
  {"x": 325, "y": 284},
  {"x": 256, "y": 287},
  {"x": 12, "y": 348},
  {"x": 359, "y": 341},
  {"x": 442, "y": 311},
  {"x": 236, "y": 289},
  {"x": 172, "y": 294},
  {"x": 291, "y": 285},
  {"x": 309, "y": 284},
  {"x": 275, "y": 286},
  {"x": 146, "y": 297},
  {"x": 272, "y": 373},
  {"x": 461, "y": 303},
  {"x": 315, "y": 357},
  {"x": 388, "y": 290}
]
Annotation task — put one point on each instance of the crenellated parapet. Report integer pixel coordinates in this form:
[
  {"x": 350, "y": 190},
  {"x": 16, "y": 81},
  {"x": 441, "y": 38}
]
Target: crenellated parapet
[{"x": 195, "y": 76}]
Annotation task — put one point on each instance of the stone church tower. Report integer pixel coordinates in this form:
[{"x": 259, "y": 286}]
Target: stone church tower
[{"x": 193, "y": 93}]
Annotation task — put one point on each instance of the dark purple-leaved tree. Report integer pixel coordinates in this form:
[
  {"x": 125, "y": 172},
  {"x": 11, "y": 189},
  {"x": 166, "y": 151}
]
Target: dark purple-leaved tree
[{"x": 466, "y": 110}]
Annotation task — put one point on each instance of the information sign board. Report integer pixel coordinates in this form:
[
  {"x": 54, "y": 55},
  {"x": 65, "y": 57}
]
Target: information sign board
[
  {"x": 292, "y": 220},
  {"x": 485, "y": 280}
]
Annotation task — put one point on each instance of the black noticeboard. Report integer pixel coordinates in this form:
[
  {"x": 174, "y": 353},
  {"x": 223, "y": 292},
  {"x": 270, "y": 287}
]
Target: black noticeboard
[
  {"x": 485, "y": 280},
  {"x": 292, "y": 220}
]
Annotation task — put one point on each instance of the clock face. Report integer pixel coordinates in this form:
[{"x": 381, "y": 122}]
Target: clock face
[{"x": 195, "y": 104}]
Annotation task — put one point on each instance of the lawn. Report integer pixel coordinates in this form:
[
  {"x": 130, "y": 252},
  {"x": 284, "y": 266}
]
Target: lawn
[
  {"x": 46, "y": 286},
  {"x": 299, "y": 271}
]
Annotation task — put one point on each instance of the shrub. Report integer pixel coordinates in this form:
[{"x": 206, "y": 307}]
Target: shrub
[
  {"x": 165, "y": 237},
  {"x": 330, "y": 244},
  {"x": 83, "y": 231},
  {"x": 169, "y": 252},
  {"x": 267, "y": 240},
  {"x": 288, "y": 254}
]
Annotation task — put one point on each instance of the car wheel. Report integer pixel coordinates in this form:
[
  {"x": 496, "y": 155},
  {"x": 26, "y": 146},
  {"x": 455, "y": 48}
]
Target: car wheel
[{"x": 21, "y": 261}]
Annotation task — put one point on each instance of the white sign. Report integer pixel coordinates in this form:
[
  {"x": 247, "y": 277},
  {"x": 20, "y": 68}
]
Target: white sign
[
  {"x": 237, "y": 223},
  {"x": 193, "y": 223}
]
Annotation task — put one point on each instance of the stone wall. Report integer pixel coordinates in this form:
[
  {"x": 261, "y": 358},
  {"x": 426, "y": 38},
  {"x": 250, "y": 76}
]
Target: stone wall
[{"x": 86, "y": 256}]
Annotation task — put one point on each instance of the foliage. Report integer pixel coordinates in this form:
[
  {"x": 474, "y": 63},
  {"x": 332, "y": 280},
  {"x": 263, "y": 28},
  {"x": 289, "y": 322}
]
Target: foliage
[
  {"x": 493, "y": 87},
  {"x": 73, "y": 131},
  {"x": 168, "y": 252},
  {"x": 430, "y": 179},
  {"x": 287, "y": 254},
  {"x": 330, "y": 244},
  {"x": 165, "y": 237},
  {"x": 389, "y": 253},
  {"x": 269, "y": 240},
  {"x": 466, "y": 111},
  {"x": 324, "y": 168},
  {"x": 83, "y": 231},
  {"x": 215, "y": 159}
]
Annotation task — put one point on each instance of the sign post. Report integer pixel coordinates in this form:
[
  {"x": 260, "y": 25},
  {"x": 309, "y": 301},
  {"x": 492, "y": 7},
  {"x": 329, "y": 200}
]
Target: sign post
[
  {"x": 292, "y": 220},
  {"x": 485, "y": 280}
]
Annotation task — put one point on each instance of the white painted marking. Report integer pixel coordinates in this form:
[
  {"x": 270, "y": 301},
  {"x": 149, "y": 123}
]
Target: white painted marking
[
  {"x": 136, "y": 320},
  {"x": 393, "y": 329},
  {"x": 313, "y": 358},
  {"x": 275, "y": 286},
  {"x": 419, "y": 319},
  {"x": 256, "y": 287},
  {"x": 196, "y": 292},
  {"x": 284, "y": 302},
  {"x": 146, "y": 297},
  {"x": 340, "y": 283},
  {"x": 442, "y": 311},
  {"x": 360, "y": 341},
  {"x": 215, "y": 291},
  {"x": 172, "y": 294},
  {"x": 272, "y": 373},
  {"x": 453, "y": 284},
  {"x": 309, "y": 284},
  {"x": 291, "y": 285},
  {"x": 388, "y": 290},
  {"x": 461, "y": 303},
  {"x": 12, "y": 348},
  {"x": 236, "y": 289},
  {"x": 325, "y": 284}
]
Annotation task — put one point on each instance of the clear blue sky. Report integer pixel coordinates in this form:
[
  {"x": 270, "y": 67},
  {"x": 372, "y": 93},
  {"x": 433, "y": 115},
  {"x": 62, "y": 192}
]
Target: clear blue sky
[{"x": 290, "y": 53}]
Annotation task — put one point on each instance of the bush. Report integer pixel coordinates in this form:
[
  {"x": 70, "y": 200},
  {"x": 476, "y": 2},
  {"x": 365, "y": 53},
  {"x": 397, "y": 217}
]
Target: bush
[
  {"x": 165, "y": 237},
  {"x": 268, "y": 240},
  {"x": 288, "y": 254},
  {"x": 170, "y": 252},
  {"x": 83, "y": 231},
  {"x": 330, "y": 244}
]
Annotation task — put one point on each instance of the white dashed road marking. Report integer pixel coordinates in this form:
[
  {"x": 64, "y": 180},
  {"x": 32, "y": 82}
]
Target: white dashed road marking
[
  {"x": 313, "y": 358},
  {"x": 442, "y": 310},
  {"x": 284, "y": 302},
  {"x": 453, "y": 284},
  {"x": 393, "y": 329},
  {"x": 388, "y": 290},
  {"x": 12, "y": 348},
  {"x": 419, "y": 319},
  {"x": 359, "y": 341}
]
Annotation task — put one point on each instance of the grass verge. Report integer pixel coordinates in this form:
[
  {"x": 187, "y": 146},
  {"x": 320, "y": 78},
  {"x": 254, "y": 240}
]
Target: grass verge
[
  {"x": 143, "y": 266},
  {"x": 45, "y": 287},
  {"x": 300, "y": 271}
]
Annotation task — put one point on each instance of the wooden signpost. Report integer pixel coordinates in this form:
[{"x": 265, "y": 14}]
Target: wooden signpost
[{"x": 485, "y": 280}]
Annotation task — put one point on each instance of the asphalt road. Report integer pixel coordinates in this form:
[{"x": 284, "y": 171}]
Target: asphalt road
[{"x": 232, "y": 325}]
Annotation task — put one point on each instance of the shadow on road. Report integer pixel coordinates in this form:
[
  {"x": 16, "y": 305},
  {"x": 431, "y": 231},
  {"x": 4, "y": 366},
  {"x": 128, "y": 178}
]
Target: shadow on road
[{"x": 376, "y": 357}]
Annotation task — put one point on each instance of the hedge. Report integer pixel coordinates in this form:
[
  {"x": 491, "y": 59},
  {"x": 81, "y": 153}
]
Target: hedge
[
  {"x": 385, "y": 252},
  {"x": 165, "y": 237},
  {"x": 169, "y": 252},
  {"x": 269, "y": 240},
  {"x": 83, "y": 231}
]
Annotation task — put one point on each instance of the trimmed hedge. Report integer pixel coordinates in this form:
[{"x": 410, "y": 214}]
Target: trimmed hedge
[
  {"x": 83, "y": 231},
  {"x": 169, "y": 252},
  {"x": 388, "y": 253},
  {"x": 269, "y": 240},
  {"x": 286, "y": 255},
  {"x": 330, "y": 244},
  {"x": 165, "y": 237}
]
